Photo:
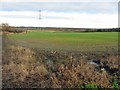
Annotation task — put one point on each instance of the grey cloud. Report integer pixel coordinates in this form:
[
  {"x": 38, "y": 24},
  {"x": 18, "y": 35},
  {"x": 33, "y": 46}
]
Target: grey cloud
[{"x": 82, "y": 7}]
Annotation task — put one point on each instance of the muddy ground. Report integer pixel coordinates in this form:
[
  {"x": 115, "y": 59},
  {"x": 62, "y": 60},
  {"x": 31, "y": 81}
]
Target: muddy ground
[{"x": 35, "y": 68}]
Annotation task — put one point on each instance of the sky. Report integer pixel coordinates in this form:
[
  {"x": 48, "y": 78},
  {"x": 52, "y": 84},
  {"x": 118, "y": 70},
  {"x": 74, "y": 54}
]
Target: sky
[{"x": 60, "y": 13}]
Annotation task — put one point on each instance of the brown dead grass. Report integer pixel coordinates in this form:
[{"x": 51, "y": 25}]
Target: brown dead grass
[{"x": 28, "y": 68}]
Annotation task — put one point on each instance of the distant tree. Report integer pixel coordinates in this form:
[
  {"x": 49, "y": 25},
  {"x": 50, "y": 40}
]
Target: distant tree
[
  {"x": 99, "y": 30},
  {"x": 6, "y": 27}
]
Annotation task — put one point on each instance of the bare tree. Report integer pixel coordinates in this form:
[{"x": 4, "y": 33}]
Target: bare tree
[{"x": 6, "y": 27}]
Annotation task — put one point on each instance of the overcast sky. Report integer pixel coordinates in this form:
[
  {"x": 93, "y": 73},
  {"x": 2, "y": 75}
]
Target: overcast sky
[{"x": 60, "y": 13}]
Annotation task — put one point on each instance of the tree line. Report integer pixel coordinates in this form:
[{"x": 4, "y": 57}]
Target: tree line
[{"x": 7, "y": 28}]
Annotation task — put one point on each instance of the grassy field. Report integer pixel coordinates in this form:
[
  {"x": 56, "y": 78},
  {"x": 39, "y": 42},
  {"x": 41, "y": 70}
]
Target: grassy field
[
  {"x": 85, "y": 41},
  {"x": 33, "y": 60}
]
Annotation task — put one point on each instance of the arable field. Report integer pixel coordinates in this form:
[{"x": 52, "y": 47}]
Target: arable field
[
  {"x": 85, "y": 41},
  {"x": 60, "y": 60}
]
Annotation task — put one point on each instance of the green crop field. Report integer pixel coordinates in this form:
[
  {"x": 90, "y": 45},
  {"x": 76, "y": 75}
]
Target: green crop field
[
  {"x": 60, "y": 59},
  {"x": 84, "y": 41}
]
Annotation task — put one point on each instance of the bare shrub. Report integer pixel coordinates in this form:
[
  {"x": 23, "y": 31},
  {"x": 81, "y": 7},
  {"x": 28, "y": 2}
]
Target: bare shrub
[{"x": 31, "y": 68}]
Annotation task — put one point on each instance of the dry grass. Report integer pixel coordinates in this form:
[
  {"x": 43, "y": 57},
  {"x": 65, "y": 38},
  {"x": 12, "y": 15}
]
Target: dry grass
[{"x": 28, "y": 68}]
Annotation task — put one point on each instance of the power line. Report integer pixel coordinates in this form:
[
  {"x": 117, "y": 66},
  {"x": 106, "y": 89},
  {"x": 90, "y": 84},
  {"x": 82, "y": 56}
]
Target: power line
[
  {"x": 40, "y": 14},
  {"x": 39, "y": 18}
]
